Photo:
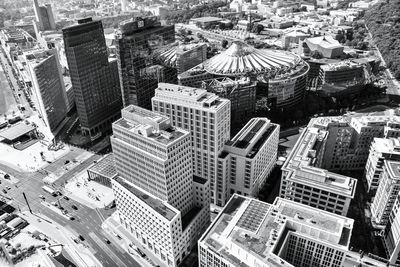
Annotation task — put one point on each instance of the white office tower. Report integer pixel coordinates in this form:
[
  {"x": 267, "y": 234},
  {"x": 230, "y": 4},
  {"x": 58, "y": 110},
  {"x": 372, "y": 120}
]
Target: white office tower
[
  {"x": 247, "y": 160},
  {"x": 303, "y": 179},
  {"x": 381, "y": 149},
  {"x": 386, "y": 194},
  {"x": 391, "y": 234},
  {"x": 44, "y": 17},
  {"x": 207, "y": 117},
  {"x": 158, "y": 200},
  {"x": 251, "y": 233},
  {"x": 48, "y": 89}
]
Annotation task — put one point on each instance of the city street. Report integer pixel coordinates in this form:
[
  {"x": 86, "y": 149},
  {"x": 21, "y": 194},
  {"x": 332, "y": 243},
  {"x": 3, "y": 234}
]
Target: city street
[{"x": 87, "y": 221}]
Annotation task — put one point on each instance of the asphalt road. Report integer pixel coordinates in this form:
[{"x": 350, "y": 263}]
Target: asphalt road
[{"x": 87, "y": 221}]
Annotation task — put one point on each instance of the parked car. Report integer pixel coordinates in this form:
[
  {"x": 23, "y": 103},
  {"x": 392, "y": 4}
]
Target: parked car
[
  {"x": 4, "y": 191},
  {"x": 42, "y": 197},
  {"x": 54, "y": 204},
  {"x": 66, "y": 198},
  {"x": 81, "y": 238},
  {"x": 74, "y": 207},
  {"x": 8, "y": 188},
  {"x": 107, "y": 241}
]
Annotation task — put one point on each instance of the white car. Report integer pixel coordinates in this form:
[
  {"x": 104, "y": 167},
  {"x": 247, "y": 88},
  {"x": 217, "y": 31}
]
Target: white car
[{"x": 42, "y": 197}]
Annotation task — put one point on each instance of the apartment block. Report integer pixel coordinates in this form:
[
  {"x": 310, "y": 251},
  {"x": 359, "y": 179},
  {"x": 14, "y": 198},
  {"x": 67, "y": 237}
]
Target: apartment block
[
  {"x": 386, "y": 194},
  {"x": 248, "y": 232},
  {"x": 391, "y": 234},
  {"x": 381, "y": 149},
  {"x": 159, "y": 201},
  {"x": 248, "y": 158},
  {"x": 207, "y": 117}
]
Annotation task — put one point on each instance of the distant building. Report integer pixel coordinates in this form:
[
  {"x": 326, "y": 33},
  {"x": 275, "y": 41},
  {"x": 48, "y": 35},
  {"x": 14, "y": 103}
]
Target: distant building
[
  {"x": 94, "y": 77},
  {"x": 159, "y": 201},
  {"x": 248, "y": 158},
  {"x": 48, "y": 87},
  {"x": 139, "y": 44},
  {"x": 44, "y": 17},
  {"x": 249, "y": 232},
  {"x": 381, "y": 149},
  {"x": 184, "y": 57},
  {"x": 326, "y": 45},
  {"x": 344, "y": 72},
  {"x": 207, "y": 117},
  {"x": 205, "y": 22},
  {"x": 387, "y": 192}
]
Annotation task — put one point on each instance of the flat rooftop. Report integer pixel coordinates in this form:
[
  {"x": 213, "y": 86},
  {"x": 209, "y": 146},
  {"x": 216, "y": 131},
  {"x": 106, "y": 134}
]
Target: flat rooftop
[
  {"x": 154, "y": 203},
  {"x": 16, "y": 131},
  {"x": 105, "y": 167},
  {"x": 206, "y": 19},
  {"x": 393, "y": 168},
  {"x": 261, "y": 229}
]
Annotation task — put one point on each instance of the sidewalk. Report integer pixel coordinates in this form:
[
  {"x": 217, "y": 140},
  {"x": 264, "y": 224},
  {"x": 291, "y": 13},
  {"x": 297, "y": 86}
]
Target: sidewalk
[
  {"x": 112, "y": 228},
  {"x": 80, "y": 254}
]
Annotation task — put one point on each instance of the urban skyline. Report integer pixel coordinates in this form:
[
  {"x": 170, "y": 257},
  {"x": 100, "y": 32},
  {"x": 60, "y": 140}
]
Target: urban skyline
[{"x": 200, "y": 133}]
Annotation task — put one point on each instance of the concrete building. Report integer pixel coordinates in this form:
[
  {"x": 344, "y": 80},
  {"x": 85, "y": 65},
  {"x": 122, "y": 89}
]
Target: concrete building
[
  {"x": 248, "y": 158},
  {"x": 103, "y": 171},
  {"x": 184, "y": 57},
  {"x": 326, "y": 45},
  {"x": 207, "y": 117},
  {"x": 391, "y": 234},
  {"x": 48, "y": 88},
  {"x": 44, "y": 17},
  {"x": 386, "y": 194},
  {"x": 94, "y": 77},
  {"x": 303, "y": 178},
  {"x": 381, "y": 149},
  {"x": 341, "y": 73},
  {"x": 248, "y": 232},
  {"x": 159, "y": 201},
  {"x": 139, "y": 44}
]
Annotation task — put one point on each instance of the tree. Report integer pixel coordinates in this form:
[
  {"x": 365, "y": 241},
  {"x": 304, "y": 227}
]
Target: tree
[
  {"x": 316, "y": 54},
  {"x": 224, "y": 43}
]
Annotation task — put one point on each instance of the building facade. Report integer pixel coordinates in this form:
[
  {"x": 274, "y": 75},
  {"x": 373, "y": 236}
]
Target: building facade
[
  {"x": 48, "y": 88},
  {"x": 206, "y": 117},
  {"x": 44, "y": 17},
  {"x": 159, "y": 201},
  {"x": 391, "y": 234},
  {"x": 386, "y": 194},
  {"x": 139, "y": 44},
  {"x": 256, "y": 234},
  {"x": 381, "y": 149},
  {"x": 248, "y": 158},
  {"x": 94, "y": 77}
]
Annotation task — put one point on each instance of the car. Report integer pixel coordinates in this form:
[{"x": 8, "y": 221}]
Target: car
[
  {"x": 66, "y": 198},
  {"x": 54, "y": 204},
  {"x": 81, "y": 238},
  {"x": 42, "y": 197},
  {"x": 107, "y": 241},
  {"x": 72, "y": 218},
  {"x": 74, "y": 207},
  {"x": 64, "y": 212},
  {"x": 6, "y": 176},
  {"x": 4, "y": 191},
  {"x": 8, "y": 188}
]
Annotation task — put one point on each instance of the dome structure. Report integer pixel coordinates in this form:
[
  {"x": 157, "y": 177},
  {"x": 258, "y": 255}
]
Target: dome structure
[{"x": 241, "y": 59}]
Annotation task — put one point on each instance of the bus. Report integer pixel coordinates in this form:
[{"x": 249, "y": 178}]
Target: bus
[{"x": 49, "y": 190}]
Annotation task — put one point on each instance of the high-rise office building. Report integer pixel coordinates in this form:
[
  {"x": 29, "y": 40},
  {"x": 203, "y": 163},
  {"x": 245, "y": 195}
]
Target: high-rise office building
[
  {"x": 248, "y": 158},
  {"x": 386, "y": 194},
  {"x": 207, "y": 117},
  {"x": 48, "y": 88},
  {"x": 139, "y": 45},
  {"x": 44, "y": 17},
  {"x": 94, "y": 76},
  {"x": 381, "y": 149},
  {"x": 249, "y": 232},
  {"x": 159, "y": 201}
]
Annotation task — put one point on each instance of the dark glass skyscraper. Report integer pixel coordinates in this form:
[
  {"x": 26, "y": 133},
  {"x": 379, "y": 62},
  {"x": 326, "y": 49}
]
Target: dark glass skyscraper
[
  {"x": 94, "y": 76},
  {"x": 140, "y": 42}
]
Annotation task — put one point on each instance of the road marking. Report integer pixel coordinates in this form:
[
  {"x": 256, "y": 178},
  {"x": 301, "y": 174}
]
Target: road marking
[{"x": 104, "y": 247}]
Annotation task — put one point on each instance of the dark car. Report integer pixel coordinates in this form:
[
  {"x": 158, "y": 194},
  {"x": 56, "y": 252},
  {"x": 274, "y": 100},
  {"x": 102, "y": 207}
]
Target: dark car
[
  {"x": 74, "y": 207},
  {"x": 4, "y": 191},
  {"x": 72, "y": 218},
  {"x": 66, "y": 198},
  {"x": 81, "y": 238},
  {"x": 107, "y": 241}
]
